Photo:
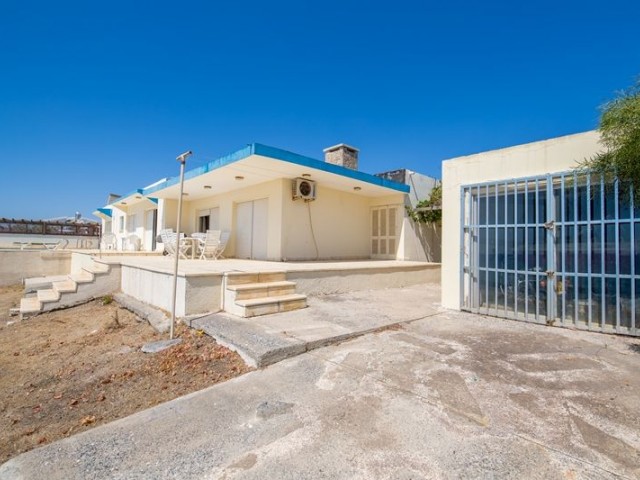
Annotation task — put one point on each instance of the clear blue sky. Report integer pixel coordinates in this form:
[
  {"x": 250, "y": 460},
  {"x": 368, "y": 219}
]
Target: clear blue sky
[{"x": 99, "y": 97}]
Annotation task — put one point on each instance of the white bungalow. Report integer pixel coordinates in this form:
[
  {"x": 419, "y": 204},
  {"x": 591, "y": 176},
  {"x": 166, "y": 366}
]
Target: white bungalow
[{"x": 279, "y": 206}]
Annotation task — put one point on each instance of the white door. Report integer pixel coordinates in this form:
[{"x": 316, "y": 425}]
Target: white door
[
  {"x": 149, "y": 230},
  {"x": 251, "y": 229},
  {"x": 385, "y": 231}
]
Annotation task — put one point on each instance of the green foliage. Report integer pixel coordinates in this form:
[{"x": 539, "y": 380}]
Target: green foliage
[
  {"x": 620, "y": 135},
  {"x": 107, "y": 299},
  {"x": 428, "y": 210}
]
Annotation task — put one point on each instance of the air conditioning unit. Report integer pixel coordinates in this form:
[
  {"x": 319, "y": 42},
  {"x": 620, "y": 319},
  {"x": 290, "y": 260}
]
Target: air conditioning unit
[{"x": 304, "y": 189}]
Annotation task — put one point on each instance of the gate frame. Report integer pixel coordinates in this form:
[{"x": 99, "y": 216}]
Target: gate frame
[{"x": 469, "y": 258}]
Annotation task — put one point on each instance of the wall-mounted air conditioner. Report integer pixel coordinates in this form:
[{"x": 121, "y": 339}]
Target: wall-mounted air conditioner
[{"x": 304, "y": 189}]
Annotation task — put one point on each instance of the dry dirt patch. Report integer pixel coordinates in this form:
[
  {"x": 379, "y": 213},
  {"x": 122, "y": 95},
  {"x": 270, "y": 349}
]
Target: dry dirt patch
[{"x": 66, "y": 371}]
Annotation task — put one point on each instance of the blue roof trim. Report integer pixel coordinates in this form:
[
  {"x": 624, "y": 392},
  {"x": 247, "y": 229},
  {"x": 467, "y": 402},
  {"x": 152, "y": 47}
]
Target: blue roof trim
[
  {"x": 137, "y": 191},
  {"x": 291, "y": 157},
  {"x": 106, "y": 211},
  {"x": 279, "y": 154},
  {"x": 213, "y": 165}
]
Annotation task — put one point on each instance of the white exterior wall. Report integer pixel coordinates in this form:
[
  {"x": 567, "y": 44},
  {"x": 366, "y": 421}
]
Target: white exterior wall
[
  {"x": 118, "y": 216},
  {"x": 340, "y": 224},
  {"x": 341, "y": 220},
  {"x": 532, "y": 159},
  {"x": 272, "y": 191},
  {"x": 134, "y": 223},
  {"x": 168, "y": 213}
]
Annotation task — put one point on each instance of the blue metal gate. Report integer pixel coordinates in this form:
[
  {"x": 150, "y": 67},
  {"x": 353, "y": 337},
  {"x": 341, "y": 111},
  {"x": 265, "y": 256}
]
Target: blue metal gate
[{"x": 557, "y": 249}]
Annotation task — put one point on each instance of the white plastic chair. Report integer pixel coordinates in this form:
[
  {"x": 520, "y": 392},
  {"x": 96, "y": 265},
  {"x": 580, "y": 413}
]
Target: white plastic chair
[
  {"x": 168, "y": 241},
  {"x": 209, "y": 246},
  {"x": 224, "y": 239},
  {"x": 132, "y": 243},
  {"x": 108, "y": 241}
]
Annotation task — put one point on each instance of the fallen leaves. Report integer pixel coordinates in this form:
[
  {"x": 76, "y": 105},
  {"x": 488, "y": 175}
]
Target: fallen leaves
[
  {"x": 75, "y": 382},
  {"x": 88, "y": 420}
]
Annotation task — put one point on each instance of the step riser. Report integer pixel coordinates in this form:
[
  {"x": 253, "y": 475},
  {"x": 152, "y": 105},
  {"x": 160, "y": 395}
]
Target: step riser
[
  {"x": 242, "y": 278},
  {"x": 277, "y": 307},
  {"x": 48, "y": 296},
  {"x": 84, "y": 277},
  {"x": 65, "y": 287},
  {"x": 260, "y": 292}
]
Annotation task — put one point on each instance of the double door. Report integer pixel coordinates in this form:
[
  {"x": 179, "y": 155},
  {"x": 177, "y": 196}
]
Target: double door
[{"x": 251, "y": 229}]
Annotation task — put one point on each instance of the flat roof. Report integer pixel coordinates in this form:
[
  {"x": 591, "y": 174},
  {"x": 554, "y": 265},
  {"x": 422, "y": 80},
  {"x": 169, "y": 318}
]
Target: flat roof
[{"x": 257, "y": 163}]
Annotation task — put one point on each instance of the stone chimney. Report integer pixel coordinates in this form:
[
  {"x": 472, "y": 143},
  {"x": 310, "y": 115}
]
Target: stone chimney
[{"x": 342, "y": 155}]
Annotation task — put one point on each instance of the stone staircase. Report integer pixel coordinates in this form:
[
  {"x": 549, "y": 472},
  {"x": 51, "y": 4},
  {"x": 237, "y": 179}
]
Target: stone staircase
[
  {"x": 91, "y": 281},
  {"x": 253, "y": 294}
]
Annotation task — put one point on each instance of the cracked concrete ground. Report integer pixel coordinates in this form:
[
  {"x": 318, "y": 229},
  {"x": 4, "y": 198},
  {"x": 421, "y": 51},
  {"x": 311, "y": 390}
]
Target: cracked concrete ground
[{"x": 454, "y": 395}]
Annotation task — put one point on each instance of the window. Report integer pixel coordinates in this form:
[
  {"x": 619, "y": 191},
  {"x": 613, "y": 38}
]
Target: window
[{"x": 203, "y": 223}]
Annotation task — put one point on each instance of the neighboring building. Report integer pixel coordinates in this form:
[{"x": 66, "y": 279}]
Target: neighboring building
[
  {"x": 527, "y": 236},
  {"x": 278, "y": 206},
  {"x": 428, "y": 237}
]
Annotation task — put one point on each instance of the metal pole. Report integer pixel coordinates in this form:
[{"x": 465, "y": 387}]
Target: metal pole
[{"x": 182, "y": 159}]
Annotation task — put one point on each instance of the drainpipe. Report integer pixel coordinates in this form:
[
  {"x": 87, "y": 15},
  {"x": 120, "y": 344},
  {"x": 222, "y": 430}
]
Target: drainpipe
[{"x": 182, "y": 159}]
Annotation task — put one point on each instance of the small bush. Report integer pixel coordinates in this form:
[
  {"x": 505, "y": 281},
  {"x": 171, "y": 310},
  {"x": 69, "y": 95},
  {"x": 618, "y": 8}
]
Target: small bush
[{"x": 107, "y": 299}]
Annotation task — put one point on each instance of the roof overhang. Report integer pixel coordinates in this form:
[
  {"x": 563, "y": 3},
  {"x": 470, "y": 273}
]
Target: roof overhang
[
  {"x": 134, "y": 199},
  {"x": 103, "y": 213},
  {"x": 258, "y": 163}
]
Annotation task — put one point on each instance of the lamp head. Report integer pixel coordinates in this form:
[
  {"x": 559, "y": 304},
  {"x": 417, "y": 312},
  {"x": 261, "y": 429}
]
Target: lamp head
[{"x": 182, "y": 158}]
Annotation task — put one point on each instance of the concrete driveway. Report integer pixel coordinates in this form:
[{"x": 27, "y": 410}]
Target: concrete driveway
[{"x": 450, "y": 396}]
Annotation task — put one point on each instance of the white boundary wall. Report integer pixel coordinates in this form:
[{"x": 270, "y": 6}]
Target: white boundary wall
[
  {"x": 532, "y": 159},
  {"x": 16, "y": 265}
]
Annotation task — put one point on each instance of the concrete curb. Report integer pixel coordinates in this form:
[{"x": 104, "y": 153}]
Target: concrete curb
[
  {"x": 156, "y": 318},
  {"x": 259, "y": 348},
  {"x": 255, "y": 346}
]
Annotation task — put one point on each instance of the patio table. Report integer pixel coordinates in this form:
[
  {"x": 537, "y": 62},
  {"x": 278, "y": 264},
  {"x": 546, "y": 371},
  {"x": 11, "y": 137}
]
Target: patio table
[{"x": 191, "y": 244}]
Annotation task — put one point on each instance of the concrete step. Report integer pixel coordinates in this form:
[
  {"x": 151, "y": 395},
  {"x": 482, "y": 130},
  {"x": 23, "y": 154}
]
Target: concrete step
[
  {"x": 30, "y": 305},
  {"x": 65, "y": 286},
  {"x": 245, "y": 291},
  {"x": 81, "y": 277},
  {"x": 268, "y": 305},
  {"x": 34, "y": 284},
  {"x": 96, "y": 268},
  {"x": 48, "y": 295},
  {"x": 237, "y": 278}
]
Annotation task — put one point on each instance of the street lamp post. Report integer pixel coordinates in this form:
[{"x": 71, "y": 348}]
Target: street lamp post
[{"x": 183, "y": 160}]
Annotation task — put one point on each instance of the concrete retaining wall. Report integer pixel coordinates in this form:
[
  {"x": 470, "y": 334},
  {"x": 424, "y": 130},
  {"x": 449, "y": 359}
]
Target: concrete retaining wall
[
  {"x": 342, "y": 281},
  {"x": 194, "y": 294},
  {"x": 198, "y": 294},
  {"x": 17, "y": 265}
]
